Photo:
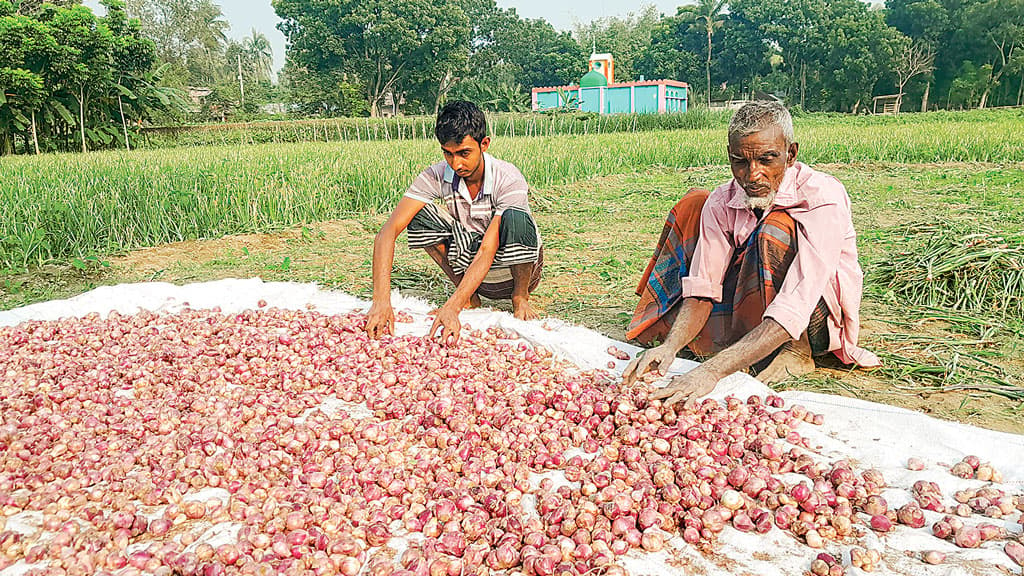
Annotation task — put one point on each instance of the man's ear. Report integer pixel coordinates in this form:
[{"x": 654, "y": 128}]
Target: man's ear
[
  {"x": 485, "y": 143},
  {"x": 791, "y": 153}
]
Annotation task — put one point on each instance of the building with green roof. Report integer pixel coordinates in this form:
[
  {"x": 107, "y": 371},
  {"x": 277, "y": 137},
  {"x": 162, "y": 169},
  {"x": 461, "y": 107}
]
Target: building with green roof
[{"x": 598, "y": 92}]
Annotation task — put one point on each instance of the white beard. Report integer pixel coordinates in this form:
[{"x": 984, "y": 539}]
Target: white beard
[{"x": 762, "y": 203}]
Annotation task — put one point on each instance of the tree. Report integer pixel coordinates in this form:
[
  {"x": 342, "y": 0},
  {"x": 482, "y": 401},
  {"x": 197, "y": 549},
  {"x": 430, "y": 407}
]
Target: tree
[
  {"x": 190, "y": 35},
  {"x": 259, "y": 53},
  {"x": 542, "y": 56},
  {"x": 834, "y": 53},
  {"x": 90, "y": 45},
  {"x": 331, "y": 93},
  {"x": 674, "y": 49},
  {"x": 625, "y": 38},
  {"x": 709, "y": 19},
  {"x": 926, "y": 22},
  {"x": 25, "y": 47},
  {"x": 388, "y": 45},
  {"x": 58, "y": 58},
  {"x": 913, "y": 58},
  {"x": 131, "y": 57},
  {"x": 1001, "y": 24}
]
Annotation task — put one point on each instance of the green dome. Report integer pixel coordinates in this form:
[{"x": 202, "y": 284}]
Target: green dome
[{"x": 593, "y": 79}]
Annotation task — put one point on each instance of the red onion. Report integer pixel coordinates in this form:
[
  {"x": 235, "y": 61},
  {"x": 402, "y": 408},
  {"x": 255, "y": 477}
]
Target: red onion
[
  {"x": 1015, "y": 550},
  {"x": 881, "y": 523},
  {"x": 967, "y": 537},
  {"x": 911, "y": 515}
]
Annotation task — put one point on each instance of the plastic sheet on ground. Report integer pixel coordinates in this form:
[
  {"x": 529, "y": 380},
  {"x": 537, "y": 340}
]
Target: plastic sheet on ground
[{"x": 871, "y": 435}]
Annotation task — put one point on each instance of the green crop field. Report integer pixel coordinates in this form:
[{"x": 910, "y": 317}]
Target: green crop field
[
  {"x": 60, "y": 207},
  {"x": 923, "y": 186}
]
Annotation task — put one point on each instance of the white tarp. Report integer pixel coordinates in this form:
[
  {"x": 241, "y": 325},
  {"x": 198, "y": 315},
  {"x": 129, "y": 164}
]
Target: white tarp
[{"x": 872, "y": 435}]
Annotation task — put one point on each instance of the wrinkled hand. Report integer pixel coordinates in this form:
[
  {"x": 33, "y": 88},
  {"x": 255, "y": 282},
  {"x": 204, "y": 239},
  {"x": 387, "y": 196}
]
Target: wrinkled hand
[
  {"x": 658, "y": 358},
  {"x": 380, "y": 320},
  {"x": 447, "y": 320},
  {"x": 690, "y": 387}
]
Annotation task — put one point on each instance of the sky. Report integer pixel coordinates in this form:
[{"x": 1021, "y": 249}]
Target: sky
[{"x": 244, "y": 15}]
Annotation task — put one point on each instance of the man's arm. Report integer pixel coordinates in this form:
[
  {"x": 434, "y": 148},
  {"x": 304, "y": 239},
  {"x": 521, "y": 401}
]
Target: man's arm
[
  {"x": 380, "y": 319},
  {"x": 693, "y": 314},
  {"x": 755, "y": 346},
  {"x": 448, "y": 315}
]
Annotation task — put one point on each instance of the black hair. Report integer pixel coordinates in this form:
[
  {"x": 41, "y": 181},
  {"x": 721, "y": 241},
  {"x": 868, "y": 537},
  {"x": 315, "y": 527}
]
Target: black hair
[{"x": 459, "y": 119}]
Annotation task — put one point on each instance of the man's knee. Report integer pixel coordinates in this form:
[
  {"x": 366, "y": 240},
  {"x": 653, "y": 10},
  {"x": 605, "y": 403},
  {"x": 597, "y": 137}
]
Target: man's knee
[
  {"x": 692, "y": 202},
  {"x": 517, "y": 227},
  {"x": 419, "y": 222},
  {"x": 779, "y": 230},
  {"x": 780, "y": 220}
]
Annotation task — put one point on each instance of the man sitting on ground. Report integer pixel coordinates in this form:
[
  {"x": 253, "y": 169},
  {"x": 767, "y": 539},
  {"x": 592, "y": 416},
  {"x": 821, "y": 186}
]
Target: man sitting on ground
[
  {"x": 484, "y": 237},
  {"x": 766, "y": 264}
]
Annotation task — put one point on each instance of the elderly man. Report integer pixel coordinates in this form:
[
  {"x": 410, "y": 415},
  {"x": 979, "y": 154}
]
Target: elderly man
[
  {"x": 471, "y": 214},
  {"x": 761, "y": 271}
]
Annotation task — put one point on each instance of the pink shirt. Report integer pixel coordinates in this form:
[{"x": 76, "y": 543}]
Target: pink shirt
[{"x": 826, "y": 259}]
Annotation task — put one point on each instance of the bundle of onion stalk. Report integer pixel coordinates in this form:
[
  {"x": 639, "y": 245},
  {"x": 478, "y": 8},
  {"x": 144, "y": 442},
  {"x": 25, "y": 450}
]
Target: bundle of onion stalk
[{"x": 125, "y": 438}]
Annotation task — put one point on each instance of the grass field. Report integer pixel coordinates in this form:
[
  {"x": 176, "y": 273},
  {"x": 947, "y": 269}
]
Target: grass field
[{"x": 307, "y": 212}]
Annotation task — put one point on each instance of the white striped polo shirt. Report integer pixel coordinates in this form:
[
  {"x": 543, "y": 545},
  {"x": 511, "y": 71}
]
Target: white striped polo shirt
[{"x": 504, "y": 187}]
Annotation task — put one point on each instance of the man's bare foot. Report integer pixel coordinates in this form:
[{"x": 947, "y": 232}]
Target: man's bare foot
[
  {"x": 522, "y": 310},
  {"x": 794, "y": 359}
]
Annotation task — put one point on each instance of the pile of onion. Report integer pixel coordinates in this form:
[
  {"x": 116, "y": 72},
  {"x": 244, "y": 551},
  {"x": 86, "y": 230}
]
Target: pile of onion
[{"x": 127, "y": 437}]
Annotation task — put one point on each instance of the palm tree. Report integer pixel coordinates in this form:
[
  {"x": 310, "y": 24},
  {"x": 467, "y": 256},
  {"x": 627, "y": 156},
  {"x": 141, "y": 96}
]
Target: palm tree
[
  {"x": 211, "y": 27},
  {"x": 260, "y": 53},
  {"x": 708, "y": 19}
]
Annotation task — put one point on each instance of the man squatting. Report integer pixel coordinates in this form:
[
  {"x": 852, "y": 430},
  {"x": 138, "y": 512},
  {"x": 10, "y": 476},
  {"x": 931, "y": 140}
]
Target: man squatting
[
  {"x": 482, "y": 235},
  {"x": 759, "y": 274}
]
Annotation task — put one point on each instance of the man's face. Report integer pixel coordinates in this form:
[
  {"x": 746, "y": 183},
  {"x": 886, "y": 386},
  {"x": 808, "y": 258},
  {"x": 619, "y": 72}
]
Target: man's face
[
  {"x": 466, "y": 157},
  {"x": 759, "y": 161}
]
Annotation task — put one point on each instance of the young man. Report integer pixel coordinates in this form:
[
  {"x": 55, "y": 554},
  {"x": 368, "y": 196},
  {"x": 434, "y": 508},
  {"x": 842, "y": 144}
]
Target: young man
[
  {"x": 482, "y": 234},
  {"x": 765, "y": 264}
]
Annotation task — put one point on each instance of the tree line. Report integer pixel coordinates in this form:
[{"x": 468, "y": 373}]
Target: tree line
[
  {"x": 71, "y": 79},
  {"x": 821, "y": 55}
]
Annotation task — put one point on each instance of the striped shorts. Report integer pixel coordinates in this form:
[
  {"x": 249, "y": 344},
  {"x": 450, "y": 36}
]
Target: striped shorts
[{"x": 518, "y": 243}]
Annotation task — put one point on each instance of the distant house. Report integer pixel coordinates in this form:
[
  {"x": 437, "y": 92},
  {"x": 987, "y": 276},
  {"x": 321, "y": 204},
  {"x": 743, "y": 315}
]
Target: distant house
[
  {"x": 598, "y": 92},
  {"x": 196, "y": 95}
]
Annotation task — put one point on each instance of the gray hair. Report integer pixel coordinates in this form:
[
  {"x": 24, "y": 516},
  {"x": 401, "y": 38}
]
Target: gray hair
[{"x": 760, "y": 115}]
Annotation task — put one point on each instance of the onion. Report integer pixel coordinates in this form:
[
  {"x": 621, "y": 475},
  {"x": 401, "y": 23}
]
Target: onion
[
  {"x": 911, "y": 515},
  {"x": 1015, "y": 550},
  {"x": 967, "y": 537}
]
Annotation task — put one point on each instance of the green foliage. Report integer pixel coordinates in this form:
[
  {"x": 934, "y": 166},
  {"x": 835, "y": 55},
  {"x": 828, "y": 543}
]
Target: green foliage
[
  {"x": 413, "y": 47},
  {"x": 626, "y": 38},
  {"x": 1000, "y": 24},
  {"x": 72, "y": 80},
  {"x": 834, "y": 53}
]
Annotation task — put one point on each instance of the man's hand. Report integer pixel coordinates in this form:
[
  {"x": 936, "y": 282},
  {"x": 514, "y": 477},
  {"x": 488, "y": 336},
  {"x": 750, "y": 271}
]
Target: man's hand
[
  {"x": 658, "y": 358},
  {"x": 380, "y": 320},
  {"x": 690, "y": 387},
  {"x": 447, "y": 320}
]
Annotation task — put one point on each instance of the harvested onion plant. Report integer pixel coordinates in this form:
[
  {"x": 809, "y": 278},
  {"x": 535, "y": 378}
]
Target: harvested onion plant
[
  {"x": 974, "y": 270},
  {"x": 946, "y": 364},
  {"x": 971, "y": 279},
  {"x": 126, "y": 438}
]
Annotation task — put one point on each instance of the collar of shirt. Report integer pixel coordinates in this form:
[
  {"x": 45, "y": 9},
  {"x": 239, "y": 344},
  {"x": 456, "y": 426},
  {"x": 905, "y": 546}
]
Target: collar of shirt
[
  {"x": 787, "y": 196},
  {"x": 486, "y": 190}
]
